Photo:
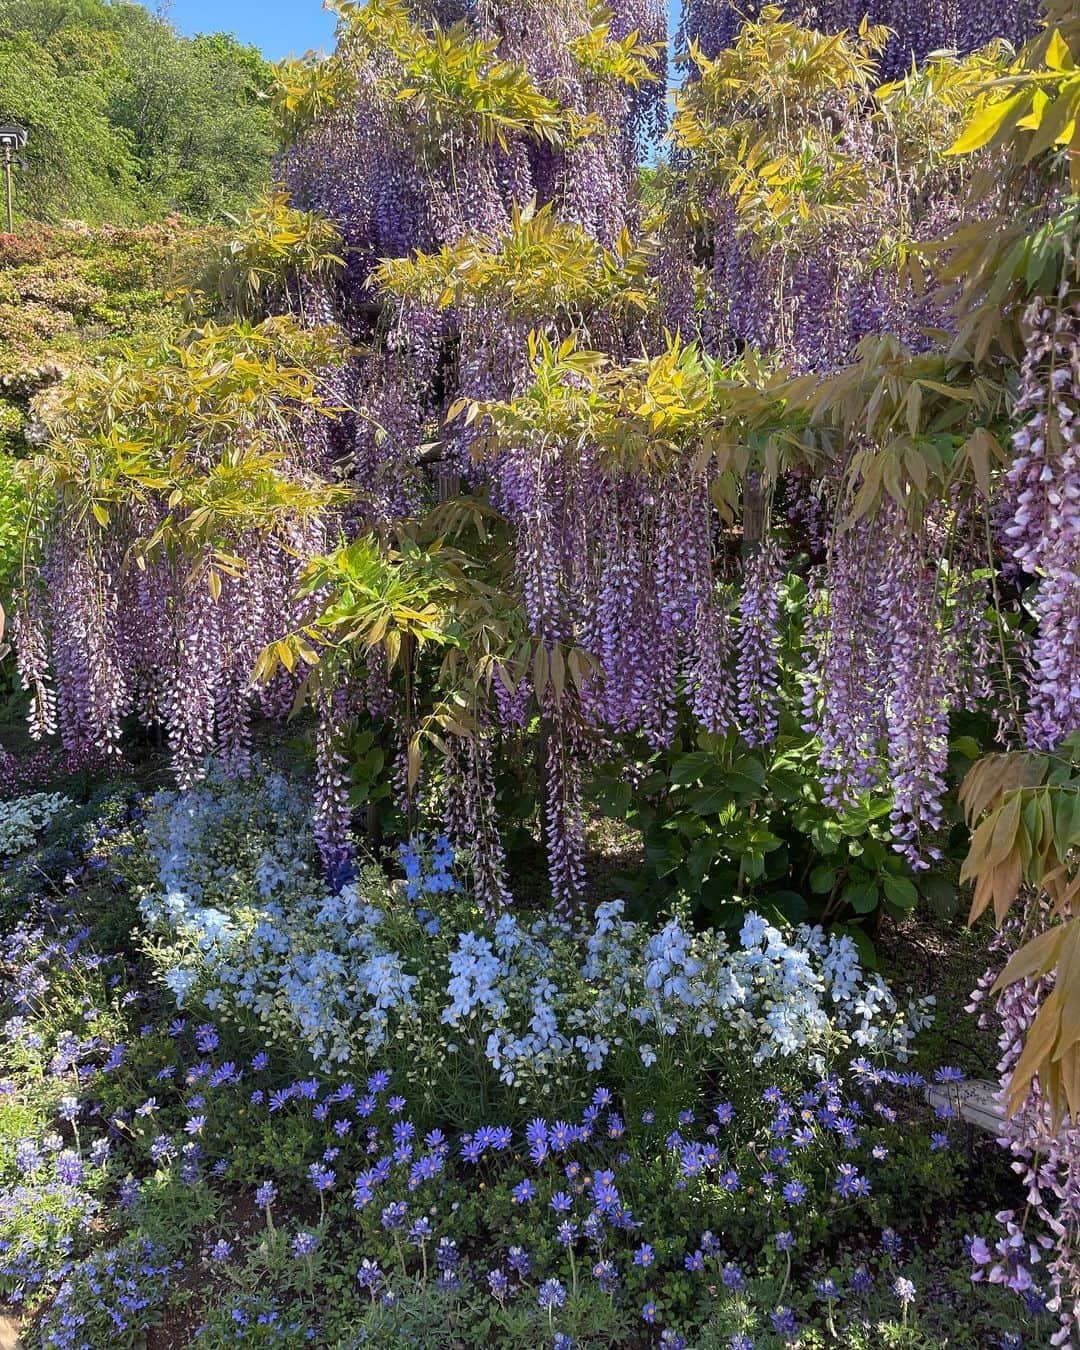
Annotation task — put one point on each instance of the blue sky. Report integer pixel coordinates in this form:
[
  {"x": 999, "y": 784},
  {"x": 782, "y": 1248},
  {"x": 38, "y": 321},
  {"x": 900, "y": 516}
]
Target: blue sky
[{"x": 277, "y": 26}]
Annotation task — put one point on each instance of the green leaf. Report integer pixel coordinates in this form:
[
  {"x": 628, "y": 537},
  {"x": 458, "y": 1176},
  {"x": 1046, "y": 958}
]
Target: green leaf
[
  {"x": 1058, "y": 56},
  {"x": 967, "y": 746},
  {"x": 749, "y": 766},
  {"x": 787, "y": 785},
  {"x": 1066, "y": 821},
  {"x": 862, "y": 896},
  {"x": 790, "y": 904},
  {"x": 901, "y": 892},
  {"x": 986, "y": 124},
  {"x": 709, "y": 801},
  {"x": 942, "y": 895},
  {"x": 822, "y": 879},
  {"x": 614, "y": 798},
  {"x": 691, "y": 768},
  {"x": 700, "y": 859},
  {"x": 667, "y": 857}
]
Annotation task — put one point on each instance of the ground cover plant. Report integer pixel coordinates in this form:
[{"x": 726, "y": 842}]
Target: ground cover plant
[{"x": 515, "y": 641}]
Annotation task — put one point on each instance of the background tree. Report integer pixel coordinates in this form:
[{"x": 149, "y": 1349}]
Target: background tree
[{"x": 129, "y": 119}]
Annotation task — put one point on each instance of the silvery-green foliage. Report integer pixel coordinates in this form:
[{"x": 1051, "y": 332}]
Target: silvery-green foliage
[{"x": 22, "y": 820}]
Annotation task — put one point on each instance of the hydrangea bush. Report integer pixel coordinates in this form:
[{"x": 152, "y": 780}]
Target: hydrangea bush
[{"x": 242, "y": 925}]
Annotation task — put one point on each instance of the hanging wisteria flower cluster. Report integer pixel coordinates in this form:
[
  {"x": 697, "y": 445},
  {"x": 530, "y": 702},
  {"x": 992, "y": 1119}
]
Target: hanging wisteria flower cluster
[
  {"x": 489, "y": 338},
  {"x": 896, "y": 641},
  {"x": 917, "y": 27},
  {"x": 1042, "y": 529},
  {"x": 1046, "y": 1160},
  {"x": 154, "y": 601}
]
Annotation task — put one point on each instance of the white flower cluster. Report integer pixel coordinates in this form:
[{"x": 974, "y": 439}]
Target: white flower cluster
[
  {"x": 23, "y": 819},
  {"x": 245, "y": 926}
]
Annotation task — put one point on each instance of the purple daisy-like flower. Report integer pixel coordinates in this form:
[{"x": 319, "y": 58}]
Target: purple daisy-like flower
[{"x": 606, "y": 1275}]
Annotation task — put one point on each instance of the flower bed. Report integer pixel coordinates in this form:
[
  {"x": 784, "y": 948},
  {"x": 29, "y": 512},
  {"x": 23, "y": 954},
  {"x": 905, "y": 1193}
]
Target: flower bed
[
  {"x": 535, "y": 1007},
  {"x": 187, "y": 1169}
]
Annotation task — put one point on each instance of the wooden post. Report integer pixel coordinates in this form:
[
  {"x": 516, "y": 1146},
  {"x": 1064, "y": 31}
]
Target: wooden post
[{"x": 753, "y": 517}]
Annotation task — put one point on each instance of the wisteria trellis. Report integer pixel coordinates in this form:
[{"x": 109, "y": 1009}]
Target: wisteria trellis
[{"x": 480, "y": 125}]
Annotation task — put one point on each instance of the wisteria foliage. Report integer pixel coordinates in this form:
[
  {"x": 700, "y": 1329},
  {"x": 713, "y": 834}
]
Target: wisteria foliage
[{"x": 621, "y": 387}]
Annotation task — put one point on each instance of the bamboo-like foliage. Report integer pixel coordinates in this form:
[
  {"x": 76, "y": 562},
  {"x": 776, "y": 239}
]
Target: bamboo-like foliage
[
  {"x": 419, "y": 595},
  {"x": 541, "y": 268},
  {"x": 306, "y": 90},
  {"x": 1025, "y": 813},
  {"x": 189, "y": 447},
  {"x": 679, "y": 406},
  {"x": 763, "y": 121},
  {"x": 628, "y": 60},
  {"x": 255, "y": 265},
  {"x": 920, "y": 424},
  {"x": 440, "y": 78}
]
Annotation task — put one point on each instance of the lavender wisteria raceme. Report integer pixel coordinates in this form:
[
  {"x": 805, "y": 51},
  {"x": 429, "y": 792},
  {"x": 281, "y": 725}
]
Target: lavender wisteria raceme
[
  {"x": 469, "y": 813},
  {"x": 758, "y": 665},
  {"x": 846, "y": 667},
  {"x": 1046, "y": 1161},
  {"x": 896, "y": 641},
  {"x": 32, "y": 654},
  {"x": 1042, "y": 529},
  {"x": 156, "y": 641},
  {"x": 918, "y": 711},
  {"x": 333, "y": 810},
  {"x": 918, "y": 27}
]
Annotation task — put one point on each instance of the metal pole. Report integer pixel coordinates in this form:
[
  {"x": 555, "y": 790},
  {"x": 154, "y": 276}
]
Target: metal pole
[{"x": 7, "y": 175}]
